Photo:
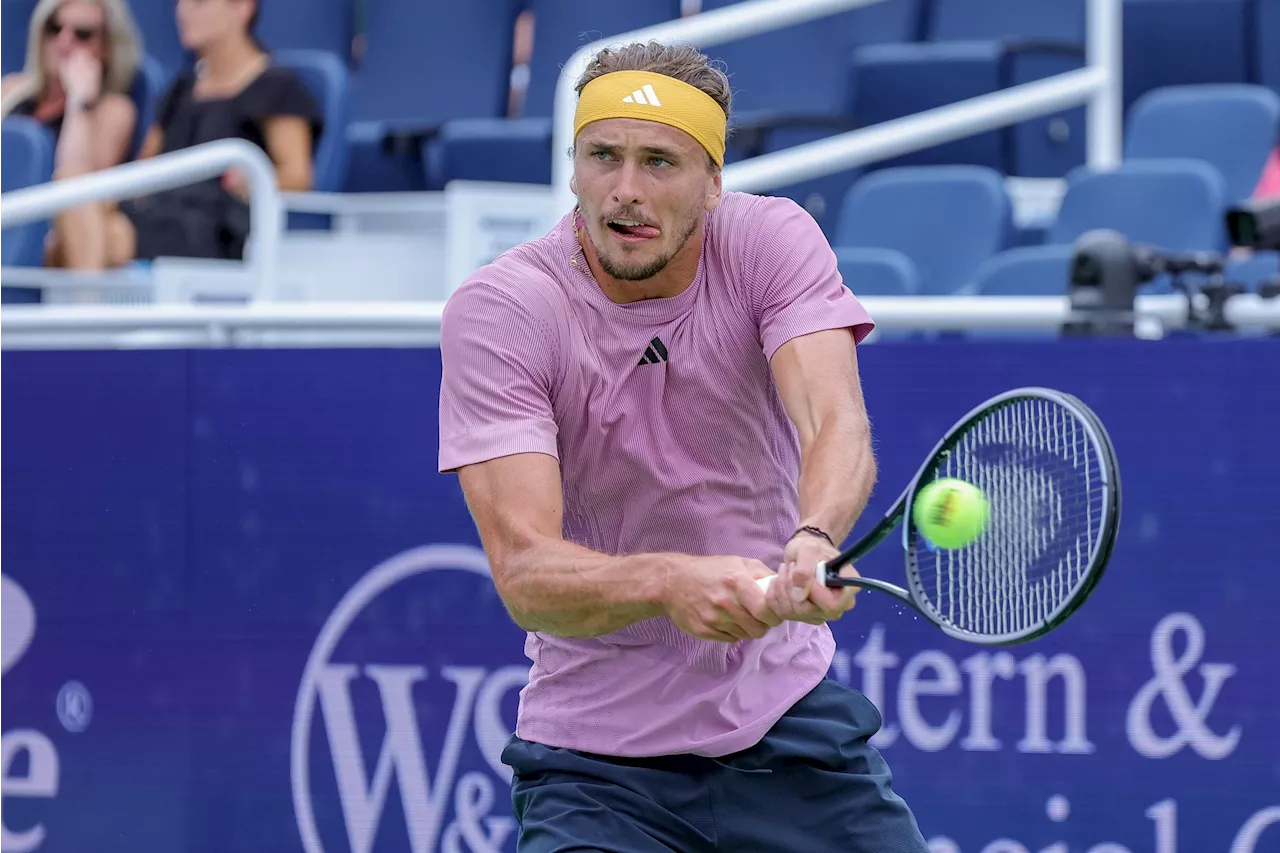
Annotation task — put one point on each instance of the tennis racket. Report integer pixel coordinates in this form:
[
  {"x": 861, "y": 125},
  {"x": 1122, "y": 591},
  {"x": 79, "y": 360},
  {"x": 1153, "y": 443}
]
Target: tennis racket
[{"x": 1049, "y": 472}]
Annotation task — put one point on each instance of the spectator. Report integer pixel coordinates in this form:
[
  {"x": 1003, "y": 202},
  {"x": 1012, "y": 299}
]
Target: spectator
[
  {"x": 233, "y": 91},
  {"x": 82, "y": 56}
]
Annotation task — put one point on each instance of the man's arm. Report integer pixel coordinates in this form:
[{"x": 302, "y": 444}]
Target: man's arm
[
  {"x": 556, "y": 587},
  {"x": 817, "y": 378}
]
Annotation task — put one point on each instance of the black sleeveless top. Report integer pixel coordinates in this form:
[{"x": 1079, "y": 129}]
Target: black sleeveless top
[
  {"x": 203, "y": 220},
  {"x": 276, "y": 92}
]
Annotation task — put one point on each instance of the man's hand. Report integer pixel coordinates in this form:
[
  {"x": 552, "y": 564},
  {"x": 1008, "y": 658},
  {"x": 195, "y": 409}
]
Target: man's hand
[
  {"x": 798, "y": 594},
  {"x": 717, "y": 598}
]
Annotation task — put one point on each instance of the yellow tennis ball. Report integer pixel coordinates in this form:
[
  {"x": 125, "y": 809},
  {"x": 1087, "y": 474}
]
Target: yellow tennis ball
[{"x": 950, "y": 513}]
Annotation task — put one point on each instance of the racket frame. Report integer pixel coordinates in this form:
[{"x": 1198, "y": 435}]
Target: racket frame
[{"x": 914, "y": 595}]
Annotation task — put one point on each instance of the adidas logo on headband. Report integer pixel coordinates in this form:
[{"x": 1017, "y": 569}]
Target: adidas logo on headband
[{"x": 644, "y": 95}]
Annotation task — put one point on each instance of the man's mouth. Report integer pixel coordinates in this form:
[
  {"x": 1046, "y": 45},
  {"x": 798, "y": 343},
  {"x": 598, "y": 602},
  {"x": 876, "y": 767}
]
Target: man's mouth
[{"x": 633, "y": 230}]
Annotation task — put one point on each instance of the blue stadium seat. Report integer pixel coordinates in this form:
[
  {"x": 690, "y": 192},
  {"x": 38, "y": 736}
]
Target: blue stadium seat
[
  {"x": 155, "y": 19},
  {"x": 1054, "y": 20},
  {"x": 1178, "y": 42},
  {"x": 946, "y": 219},
  {"x": 1234, "y": 127},
  {"x": 1175, "y": 205},
  {"x": 803, "y": 98},
  {"x": 519, "y": 149},
  {"x": 563, "y": 26},
  {"x": 1266, "y": 44},
  {"x": 1025, "y": 271},
  {"x": 307, "y": 25},
  {"x": 15, "y": 18},
  {"x": 148, "y": 86},
  {"x": 1022, "y": 271},
  {"x": 425, "y": 63},
  {"x": 484, "y": 149},
  {"x": 878, "y": 272},
  {"x": 26, "y": 159},
  {"x": 978, "y": 47}
]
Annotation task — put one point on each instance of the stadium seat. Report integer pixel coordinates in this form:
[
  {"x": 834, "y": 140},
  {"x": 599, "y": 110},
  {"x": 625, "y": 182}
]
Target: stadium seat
[
  {"x": 16, "y": 20},
  {"x": 804, "y": 97},
  {"x": 1234, "y": 127},
  {"x": 155, "y": 19},
  {"x": 307, "y": 25},
  {"x": 1051, "y": 20},
  {"x": 946, "y": 219},
  {"x": 878, "y": 272},
  {"x": 977, "y": 47},
  {"x": 563, "y": 26},
  {"x": 1179, "y": 42},
  {"x": 1266, "y": 44},
  {"x": 519, "y": 149},
  {"x": 485, "y": 149},
  {"x": 1174, "y": 205},
  {"x": 148, "y": 87},
  {"x": 1024, "y": 271},
  {"x": 425, "y": 63},
  {"x": 26, "y": 159}
]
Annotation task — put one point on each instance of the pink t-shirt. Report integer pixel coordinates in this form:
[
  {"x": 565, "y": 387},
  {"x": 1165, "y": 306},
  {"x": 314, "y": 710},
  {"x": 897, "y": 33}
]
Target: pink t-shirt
[
  {"x": 671, "y": 436},
  {"x": 1269, "y": 182}
]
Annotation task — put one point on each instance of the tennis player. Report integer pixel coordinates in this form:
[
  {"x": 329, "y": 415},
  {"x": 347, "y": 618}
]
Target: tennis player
[{"x": 650, "y": 408}]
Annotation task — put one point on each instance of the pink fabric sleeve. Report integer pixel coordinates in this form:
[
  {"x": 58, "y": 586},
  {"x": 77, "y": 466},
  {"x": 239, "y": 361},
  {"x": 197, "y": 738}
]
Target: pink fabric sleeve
[
  {"x": 497, "y": 358},
  {"x": 794, "y": 281}
]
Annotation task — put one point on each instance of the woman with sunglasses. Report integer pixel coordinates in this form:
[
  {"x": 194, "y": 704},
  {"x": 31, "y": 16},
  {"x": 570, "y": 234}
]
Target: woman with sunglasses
[
  {"x": 82, "y": 56},
  {"x": 233, "y": 91}
]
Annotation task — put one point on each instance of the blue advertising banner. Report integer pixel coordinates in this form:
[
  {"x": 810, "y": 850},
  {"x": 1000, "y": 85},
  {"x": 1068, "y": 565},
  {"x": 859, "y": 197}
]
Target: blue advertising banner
[{"x": 242, "y": 612}]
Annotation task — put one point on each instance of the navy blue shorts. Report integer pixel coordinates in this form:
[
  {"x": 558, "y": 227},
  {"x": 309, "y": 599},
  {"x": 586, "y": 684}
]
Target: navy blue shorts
[{"x": 812, "y": 785}]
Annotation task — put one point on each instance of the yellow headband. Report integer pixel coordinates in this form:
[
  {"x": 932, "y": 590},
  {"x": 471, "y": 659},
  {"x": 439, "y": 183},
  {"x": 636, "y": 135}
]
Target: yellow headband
[{"x": 654, "y": 97}]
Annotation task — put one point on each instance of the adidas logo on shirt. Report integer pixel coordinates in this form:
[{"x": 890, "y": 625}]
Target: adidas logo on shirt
[
  {"x": 644, "y": 95},
  {"x": 654, "y": 353}
]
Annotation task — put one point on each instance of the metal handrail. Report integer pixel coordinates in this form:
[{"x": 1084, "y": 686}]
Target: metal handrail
[{"x": 165, "y": 172}]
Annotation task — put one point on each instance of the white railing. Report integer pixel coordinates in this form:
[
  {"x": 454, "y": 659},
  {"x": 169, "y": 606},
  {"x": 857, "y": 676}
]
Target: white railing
[
  {"x": 1098, "y": 85},
  {"x": 418, "y": 323},
  {"x": 166, "y": 172}
]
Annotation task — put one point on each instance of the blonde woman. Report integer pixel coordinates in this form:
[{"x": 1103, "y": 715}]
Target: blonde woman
[{"x": 82, "y": 56}]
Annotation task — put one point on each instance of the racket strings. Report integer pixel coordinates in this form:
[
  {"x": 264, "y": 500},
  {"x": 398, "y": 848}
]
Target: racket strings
[{"x": 1038, "y": 466}]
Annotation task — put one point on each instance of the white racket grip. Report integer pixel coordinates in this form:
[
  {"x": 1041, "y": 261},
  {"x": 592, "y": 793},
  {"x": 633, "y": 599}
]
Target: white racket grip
[{"x": 768, "y": 579}]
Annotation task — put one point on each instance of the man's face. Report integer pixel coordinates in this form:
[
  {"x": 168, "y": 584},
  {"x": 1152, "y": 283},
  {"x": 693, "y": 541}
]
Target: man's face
[{"x": 643, "y": 188}]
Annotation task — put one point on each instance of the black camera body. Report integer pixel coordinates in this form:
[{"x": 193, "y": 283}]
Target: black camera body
[{"x": 1107, "y": 272}]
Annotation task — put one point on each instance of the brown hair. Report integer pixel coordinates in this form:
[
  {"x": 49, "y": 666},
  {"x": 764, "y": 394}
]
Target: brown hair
[{"x": 681, "y": 61}]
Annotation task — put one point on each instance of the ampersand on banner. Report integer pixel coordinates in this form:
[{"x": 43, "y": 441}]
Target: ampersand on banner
[
  {"x": 1167, "y": 684},
  {"x": 472, "y": 801}
]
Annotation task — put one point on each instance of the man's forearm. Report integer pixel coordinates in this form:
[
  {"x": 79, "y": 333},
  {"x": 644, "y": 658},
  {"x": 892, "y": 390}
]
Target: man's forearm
[
  {"x": 837, "y": 474},
  {"x": 566, "y": 590}
]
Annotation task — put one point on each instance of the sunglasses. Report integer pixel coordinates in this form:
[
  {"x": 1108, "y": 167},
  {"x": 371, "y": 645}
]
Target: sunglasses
[{"x": 53, "y": 29}]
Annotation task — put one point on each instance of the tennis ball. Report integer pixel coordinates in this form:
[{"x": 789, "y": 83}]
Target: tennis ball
[{"x": 950, "y": 513}]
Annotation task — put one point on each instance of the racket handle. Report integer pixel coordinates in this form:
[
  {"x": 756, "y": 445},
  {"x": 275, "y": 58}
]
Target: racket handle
[{"x": 768, "y": 579}]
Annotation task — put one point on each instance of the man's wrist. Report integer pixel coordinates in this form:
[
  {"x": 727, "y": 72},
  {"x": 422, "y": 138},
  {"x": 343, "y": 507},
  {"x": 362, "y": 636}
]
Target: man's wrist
[{"x": 813, "y": 530}]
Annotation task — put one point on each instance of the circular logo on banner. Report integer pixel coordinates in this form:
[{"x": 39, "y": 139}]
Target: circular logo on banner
[{"x": 435, "y": 742}]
